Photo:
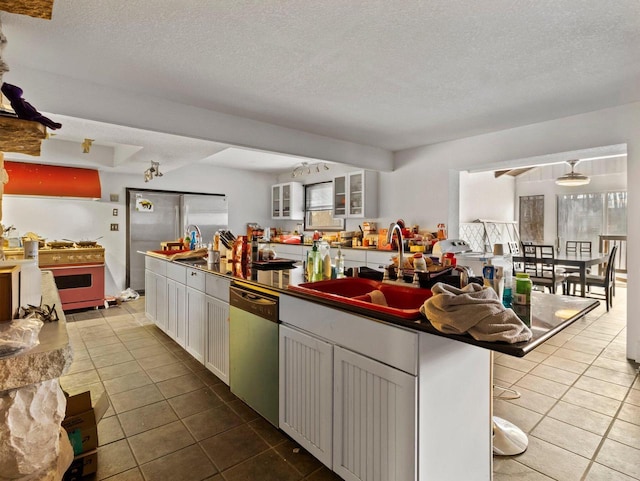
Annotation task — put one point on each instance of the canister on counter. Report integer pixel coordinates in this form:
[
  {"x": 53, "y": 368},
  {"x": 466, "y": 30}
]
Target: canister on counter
[
  {"x": 523, "y": 289},
  {"x": 521, "y": 304},
  {"x": 30, "y": 249}
]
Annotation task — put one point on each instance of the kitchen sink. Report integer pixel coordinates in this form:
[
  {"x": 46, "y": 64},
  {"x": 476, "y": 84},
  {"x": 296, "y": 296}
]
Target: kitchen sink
[{"x": 402, "y": 301}]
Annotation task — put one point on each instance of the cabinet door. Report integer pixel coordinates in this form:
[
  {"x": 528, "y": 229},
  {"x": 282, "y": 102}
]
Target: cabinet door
[
  {"x": 161, "y": 302},
  {"x": 374, "y": 427},
  {"x": 276, "y": 207},
  {"x": 306, "y": 392},
  {"x": 176, "y": 315},
  {"x": 340, "y": 196},
  {"x": 195, "y": 323},
  {"x": 356, "y": 194},
  {"x": 150, "y": 297},
  {"x": 285, "y": 195},
  {"x": 217, "y": 345}
]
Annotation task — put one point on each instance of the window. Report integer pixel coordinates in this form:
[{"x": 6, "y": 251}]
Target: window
[
  {"x": 532, "y": 218},
  {"x": 587, "y": 216},
  {"x": 318, "y": 208}
]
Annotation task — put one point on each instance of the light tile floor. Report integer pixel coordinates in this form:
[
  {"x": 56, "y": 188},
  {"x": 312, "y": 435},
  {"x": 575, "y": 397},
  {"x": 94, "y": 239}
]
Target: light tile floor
[
  {"x": 579, "y": 403},
  {"x": 171, "y": 419}
]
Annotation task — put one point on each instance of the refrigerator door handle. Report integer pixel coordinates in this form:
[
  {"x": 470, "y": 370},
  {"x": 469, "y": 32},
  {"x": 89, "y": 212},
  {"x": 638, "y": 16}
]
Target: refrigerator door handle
[{"x": 177, "y": 223}]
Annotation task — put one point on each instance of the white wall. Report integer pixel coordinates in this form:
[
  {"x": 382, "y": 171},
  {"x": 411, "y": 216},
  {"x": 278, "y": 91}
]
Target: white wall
[
  {"x": 541, "y": 181},
  {"x": 422, "y": 182},
  {"x": 483, "y": 196},
  {"x": 57, "y": 218}
]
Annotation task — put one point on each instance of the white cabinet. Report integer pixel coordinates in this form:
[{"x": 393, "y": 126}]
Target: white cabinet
[
  {"x": 289, "y": 251},
  {"x": 217, "y": 348},
  {"x": 355, "y": 414},
  {"x": 177, "y": 311},
  {"x": 355, "y": 195},
  {"x": 217, "y": 326},
  {"x": 374, "y": 419},
  {"x": 196, "y": 320},
  {"x": 156, "y": 292},
  {"x": 194, "y": 343},
  {"x": 150, "y": 295},
  {"x": 161, "y": 302},
  {"x": 287, "y": 201},
  {"x": 306, "y": 392}
]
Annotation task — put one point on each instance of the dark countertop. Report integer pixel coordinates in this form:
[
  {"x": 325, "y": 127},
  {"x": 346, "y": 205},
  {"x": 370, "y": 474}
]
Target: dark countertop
[{"x": 550, "y": 313}]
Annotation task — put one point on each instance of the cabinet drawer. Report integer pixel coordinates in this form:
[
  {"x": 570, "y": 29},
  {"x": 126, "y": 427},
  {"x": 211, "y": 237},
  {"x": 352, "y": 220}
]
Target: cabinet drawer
[
  {"x": 391, "y": 345},
  {"x": 217, "y": 287},
  {"x": 353, "y": 255},
  {"x": 156, "y": 265},
  {"x": 177, "y": 273},
  {"x": 196, "y": 279},
  {"x": 288, "y": 251}
]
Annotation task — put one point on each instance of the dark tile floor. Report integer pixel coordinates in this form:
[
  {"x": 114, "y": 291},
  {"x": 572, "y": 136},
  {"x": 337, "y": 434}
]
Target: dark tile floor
[{"x": 170, "y": 418}]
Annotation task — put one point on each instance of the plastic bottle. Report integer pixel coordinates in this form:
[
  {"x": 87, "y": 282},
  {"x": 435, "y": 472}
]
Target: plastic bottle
[
  {"x": 419, "y": 264},
  {"x": 192, "y": 246},
  {"x": 317, "y": 266},
  {"x": 339, "y": 264},
  {"x": 507, "y": 294}
]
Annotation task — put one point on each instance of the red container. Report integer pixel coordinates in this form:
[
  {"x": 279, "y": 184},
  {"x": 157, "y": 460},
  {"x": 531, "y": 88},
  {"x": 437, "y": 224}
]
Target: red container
[{"x": 449, "y": 259}]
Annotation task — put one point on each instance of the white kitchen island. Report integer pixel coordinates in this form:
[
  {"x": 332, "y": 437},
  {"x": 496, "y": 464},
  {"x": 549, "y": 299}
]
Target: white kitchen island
[
  {"x": 372, "y": 396},
  {"x": 377, "y": 401}
]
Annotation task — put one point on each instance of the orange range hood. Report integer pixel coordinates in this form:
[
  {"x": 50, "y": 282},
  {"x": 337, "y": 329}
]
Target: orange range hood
[{"x": 52, "y": 181}]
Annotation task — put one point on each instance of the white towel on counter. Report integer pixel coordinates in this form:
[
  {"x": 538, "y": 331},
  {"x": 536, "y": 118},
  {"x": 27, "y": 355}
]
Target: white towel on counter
[{"x": 474, "y": 309}]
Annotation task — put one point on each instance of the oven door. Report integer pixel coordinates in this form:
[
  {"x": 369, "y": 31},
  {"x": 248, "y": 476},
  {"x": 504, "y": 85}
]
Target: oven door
[{"x": 79, "y": 286}]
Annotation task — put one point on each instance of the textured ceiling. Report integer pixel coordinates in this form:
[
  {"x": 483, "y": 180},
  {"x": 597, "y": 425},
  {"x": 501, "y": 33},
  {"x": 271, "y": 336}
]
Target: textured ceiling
[{"x": 390, "y": 74}]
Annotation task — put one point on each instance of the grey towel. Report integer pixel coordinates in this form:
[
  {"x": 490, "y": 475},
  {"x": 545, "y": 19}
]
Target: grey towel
[{"x": 476, "y": 310}]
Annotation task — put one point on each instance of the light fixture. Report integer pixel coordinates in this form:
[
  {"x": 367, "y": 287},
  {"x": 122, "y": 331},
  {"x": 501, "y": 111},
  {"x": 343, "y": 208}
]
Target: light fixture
[
  {"x": 86, "y": 145},
  {"x": 152, "y": 171},
  {"x": 305, "y": 168},
  {"x": 573, "y": 178}
]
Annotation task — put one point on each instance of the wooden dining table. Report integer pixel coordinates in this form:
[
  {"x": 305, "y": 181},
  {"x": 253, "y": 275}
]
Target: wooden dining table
[{"x": 581, "y": 261}]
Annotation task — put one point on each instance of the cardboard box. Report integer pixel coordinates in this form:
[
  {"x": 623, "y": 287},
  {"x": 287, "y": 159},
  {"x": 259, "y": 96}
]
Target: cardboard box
[
  {"x": 81, "y": 421},
  {"x": 83, "y": 465}
]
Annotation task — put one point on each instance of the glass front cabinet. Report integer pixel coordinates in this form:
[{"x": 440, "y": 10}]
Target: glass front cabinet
[
  {"x": 355, "y": 195},
  {"x": 287, "y": 201}
]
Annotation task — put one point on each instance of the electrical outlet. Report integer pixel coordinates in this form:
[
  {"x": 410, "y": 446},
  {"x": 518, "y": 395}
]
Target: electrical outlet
[
  {"x": 114, "y": 226},
  {"x": 114, "y": 197},
  {"x": 115, "y": 212}
]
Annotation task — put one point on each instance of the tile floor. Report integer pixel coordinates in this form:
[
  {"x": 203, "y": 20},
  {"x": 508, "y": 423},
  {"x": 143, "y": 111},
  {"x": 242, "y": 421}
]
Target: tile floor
[{"x": 170, "y": 419}]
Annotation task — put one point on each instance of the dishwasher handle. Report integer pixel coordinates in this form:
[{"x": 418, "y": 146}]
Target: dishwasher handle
[{"x": 254, "y": 303}]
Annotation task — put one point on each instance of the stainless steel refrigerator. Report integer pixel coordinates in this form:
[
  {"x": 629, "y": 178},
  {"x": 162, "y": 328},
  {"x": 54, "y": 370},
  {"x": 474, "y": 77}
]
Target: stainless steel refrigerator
[{"x": 158, "y": 216}]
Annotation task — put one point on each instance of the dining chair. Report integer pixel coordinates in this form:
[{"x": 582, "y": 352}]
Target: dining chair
[
  {"x": 578, "y": 247},
  {"x": 606, "y": 281},
  {"x": 539, "y": 263}
]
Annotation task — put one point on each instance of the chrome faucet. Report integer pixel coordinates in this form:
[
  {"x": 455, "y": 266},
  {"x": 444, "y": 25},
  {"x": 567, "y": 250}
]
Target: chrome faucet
[
  {"x": 195, "y": 227},
  {"x": 465, "y": 273},
  {"x": 392, "y": 227}
]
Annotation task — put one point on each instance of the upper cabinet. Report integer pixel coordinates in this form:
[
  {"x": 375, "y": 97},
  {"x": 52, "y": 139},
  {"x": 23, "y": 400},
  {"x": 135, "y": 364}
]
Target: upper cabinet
[
  {"x": 287, "y": 201},
  {"x": 356, "y": 194}
]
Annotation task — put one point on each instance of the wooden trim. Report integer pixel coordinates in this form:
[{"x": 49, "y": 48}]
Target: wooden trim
[
  {"x": 21, "y": 136},
  {"x": 32, "y": 8}
]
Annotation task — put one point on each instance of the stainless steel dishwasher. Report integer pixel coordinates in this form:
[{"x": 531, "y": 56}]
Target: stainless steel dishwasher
[{"x": 253, "y": 348}]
